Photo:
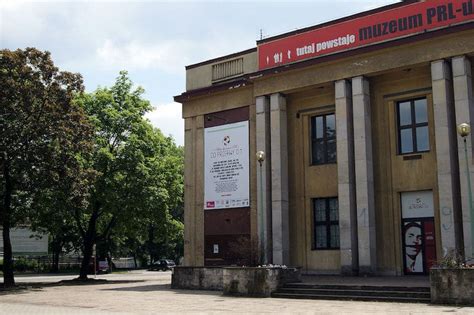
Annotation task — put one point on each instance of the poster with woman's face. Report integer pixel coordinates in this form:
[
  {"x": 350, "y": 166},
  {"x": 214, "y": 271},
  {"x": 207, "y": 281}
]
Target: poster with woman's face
[{"x": 413, "y": 246}]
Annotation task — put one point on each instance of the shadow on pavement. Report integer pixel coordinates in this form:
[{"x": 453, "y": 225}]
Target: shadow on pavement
[
  {"x": 25, "y": 287},
  {"x": 162, "y": 287}
]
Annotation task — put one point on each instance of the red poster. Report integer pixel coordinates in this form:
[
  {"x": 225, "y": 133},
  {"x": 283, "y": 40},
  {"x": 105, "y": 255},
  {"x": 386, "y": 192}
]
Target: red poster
[
  {"x": 430, "y": 244},
  {"x": 396, "y": 23}
]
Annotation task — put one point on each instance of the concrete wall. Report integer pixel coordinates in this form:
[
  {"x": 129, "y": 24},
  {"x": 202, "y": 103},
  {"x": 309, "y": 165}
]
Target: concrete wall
[
  {"x": 193, "y": 112},
  {"x": 257, "y": 282},
  {"x": 195, "y": 278},
  {"x": 452, "y": 286},
  {"x": 394, "y": 173},
  {"x": 201, "y": 76},
  {"x": 306, "y": 180}
]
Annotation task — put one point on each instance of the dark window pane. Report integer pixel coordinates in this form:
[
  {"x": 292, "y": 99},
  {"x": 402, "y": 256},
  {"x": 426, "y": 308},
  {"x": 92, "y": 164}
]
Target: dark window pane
[
  {"x": 319, "y": 127},
  {"x": 421, "y": 111},
  {"x": 331, "y": 145},
  {"x": 333, "y": 210},
  {"x": 334, "y": 236},
  {"x": 320, "y": 210},
  {"x": 321, "y": 236},
  {"x": 331, "y": 126},
  {"x": 318, "y": 152},
  {"x": 404, "y": 110},
  {"x": 406, "y": 141},
  {"x": 313, "y": 128},
  {"x": 422, "y": 139},
  {"x": 323, "y": 136}
]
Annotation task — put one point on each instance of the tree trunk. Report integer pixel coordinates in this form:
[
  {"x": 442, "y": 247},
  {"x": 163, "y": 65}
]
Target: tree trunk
[
  {"x": 151, "y": 237},
  {"x": 135, "y": 260},
  {"x": 88, "y": 244},
  {"x": 8, "y": 278},
  {"x": 57, "y": 249},
  {"x": 5, "y": 213},
  {"x": 109, "y": 256},
  {"x": 109, "y": 262}
]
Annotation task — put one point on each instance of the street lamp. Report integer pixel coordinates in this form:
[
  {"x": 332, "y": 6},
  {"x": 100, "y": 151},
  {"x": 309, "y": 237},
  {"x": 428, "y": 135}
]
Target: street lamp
[
  {"x": 263, "y": 258},
  {"x": 464, "y": 130}
]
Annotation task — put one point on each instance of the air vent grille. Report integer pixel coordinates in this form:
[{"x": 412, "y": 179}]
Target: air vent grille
[{"x": 227, "y": 69}]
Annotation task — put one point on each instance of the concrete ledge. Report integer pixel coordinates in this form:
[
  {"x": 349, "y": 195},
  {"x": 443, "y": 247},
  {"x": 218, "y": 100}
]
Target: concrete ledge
[
  {"x": 257, "y": 282},
  {"x": 452, "y": 286},
  {"x": 197, "y": 278}
]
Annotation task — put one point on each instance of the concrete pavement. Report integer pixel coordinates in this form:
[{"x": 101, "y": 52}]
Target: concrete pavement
[{"x": 143, "y": 292}]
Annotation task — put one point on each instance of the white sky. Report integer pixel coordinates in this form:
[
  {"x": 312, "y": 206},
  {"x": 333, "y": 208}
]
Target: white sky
[{"x": 154, "y": 40}]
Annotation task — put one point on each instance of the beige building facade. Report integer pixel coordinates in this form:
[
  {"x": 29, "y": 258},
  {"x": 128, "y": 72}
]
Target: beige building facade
[{"x": 364, "y": 172}]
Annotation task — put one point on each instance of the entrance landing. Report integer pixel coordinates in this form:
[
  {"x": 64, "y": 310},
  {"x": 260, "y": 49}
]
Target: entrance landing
[
  {"x": 393, "y": 289},
  {"x": 382, "y": 281}
]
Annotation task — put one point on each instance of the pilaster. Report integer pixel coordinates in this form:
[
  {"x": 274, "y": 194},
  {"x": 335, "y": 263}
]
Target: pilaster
[
  {"x": 364, "y": 175},
  {"x": 264, "y": 178},
  {"x": 446, "y": 153},
  {"x": 464, "y": 103},
  {"x": 346, "y": 178},
  {"x": 279, "y": 169}
]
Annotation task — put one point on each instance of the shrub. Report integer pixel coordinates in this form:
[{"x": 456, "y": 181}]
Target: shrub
[
  {"x": 453, "y": 260},
  {"x": 22, "y": 264}
]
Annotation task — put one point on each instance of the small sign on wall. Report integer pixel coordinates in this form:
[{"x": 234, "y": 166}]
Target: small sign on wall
[
  {"x": 216, "y": 249},
  {"x": 417, "y": 204}
]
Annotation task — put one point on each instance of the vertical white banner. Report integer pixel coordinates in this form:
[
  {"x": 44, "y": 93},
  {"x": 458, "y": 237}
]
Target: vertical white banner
[{"x": 226, "y": 166}]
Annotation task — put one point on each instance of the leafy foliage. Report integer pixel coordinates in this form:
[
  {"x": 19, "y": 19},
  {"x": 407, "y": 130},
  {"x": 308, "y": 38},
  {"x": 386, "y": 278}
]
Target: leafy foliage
[
  {"x": 43, "y": 134},
  {"x": 139, "y": 172},
  {"x": 85, "y": 168}
]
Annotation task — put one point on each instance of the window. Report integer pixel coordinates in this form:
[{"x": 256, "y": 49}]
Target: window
[
  {"x": 326, "y": 223},
  {"x": 323, "y": 139},
  {"x": 413, "y": 132}
]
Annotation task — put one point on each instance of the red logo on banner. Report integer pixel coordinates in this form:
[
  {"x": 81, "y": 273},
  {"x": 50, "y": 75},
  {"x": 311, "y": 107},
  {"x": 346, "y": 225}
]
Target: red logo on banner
[
  {"x": 210, "y": 204},
  {"x": 399, "y": 22}
]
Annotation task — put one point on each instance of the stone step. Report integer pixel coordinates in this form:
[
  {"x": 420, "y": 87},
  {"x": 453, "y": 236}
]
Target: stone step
[
  {"x": 355, "y": 287},
  {"x": 355, "y": 292},
  {"x": 352, "y": 298}
]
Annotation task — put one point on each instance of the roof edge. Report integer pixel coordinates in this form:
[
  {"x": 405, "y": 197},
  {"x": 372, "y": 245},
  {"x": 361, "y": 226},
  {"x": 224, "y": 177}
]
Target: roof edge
[
  {"x": 337, "y": 21},
  {"x": 248, "y": 78},
  {"x": 231, "y": 85}
]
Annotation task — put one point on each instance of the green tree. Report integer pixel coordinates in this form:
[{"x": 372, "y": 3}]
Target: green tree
[
  {"x": 130, "y": 158},
  {"x": 43, "y": 135},
  {"x": 127, "y": 150}
]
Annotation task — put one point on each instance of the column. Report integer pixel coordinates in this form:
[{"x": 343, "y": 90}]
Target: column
[
  {"x": 364, "y": 178},
  {"x": 279, "y": 168},
  {"x": 463, "y": 102},
  {"x": 199, "y": 191},
  {"x": 189, "y": 193},
  {"x": 264, "y": 176},
  {"x": 346, "y": 178},
  {"x": 446, "y": 149}
]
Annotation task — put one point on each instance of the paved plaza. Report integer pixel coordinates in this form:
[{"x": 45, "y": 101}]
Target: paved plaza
[{"x": 144, "y": 292}]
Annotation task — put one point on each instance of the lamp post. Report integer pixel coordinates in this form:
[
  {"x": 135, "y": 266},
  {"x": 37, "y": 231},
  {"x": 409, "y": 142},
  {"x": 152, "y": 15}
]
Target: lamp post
[
  {"x": 261, "y": 216},
  {"x": 464, "y": 130}
]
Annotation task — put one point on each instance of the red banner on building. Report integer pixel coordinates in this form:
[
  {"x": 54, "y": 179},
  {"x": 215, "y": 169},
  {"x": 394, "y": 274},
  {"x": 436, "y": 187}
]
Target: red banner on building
[{"x": 396, "y": 23}]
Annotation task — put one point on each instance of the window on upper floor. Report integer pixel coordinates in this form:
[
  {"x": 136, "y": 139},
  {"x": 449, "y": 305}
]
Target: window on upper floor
[
  {"x": 413, "y": 130},
  {"x": 323, "y": 139}
]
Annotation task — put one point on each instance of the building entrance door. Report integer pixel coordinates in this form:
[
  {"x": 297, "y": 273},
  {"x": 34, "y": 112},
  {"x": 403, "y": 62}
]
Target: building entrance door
[{"x": 418, "y": 232}]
